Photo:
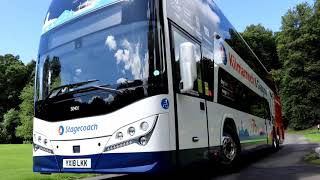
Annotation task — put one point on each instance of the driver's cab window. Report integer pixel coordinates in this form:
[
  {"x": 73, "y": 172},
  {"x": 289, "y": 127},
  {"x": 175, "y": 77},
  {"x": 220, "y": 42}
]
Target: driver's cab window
[{"x": 179, "y": 38}]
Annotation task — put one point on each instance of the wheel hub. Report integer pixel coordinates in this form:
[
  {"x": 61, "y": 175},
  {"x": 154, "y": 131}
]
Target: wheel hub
[{"x": 229, "y": 148}]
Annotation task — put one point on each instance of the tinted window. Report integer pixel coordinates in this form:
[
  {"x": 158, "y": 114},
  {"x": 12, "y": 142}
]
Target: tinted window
[
  {"x": 202, "y": 19},
  {"x": 235, "y": 94},
  {"x": 231, "y": 36},
  {"x": 238, "y": 44},
  {"x": 208, "y": 73}
]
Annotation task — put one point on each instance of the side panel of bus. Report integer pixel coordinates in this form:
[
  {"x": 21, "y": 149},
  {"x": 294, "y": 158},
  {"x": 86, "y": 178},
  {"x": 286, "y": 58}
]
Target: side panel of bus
[
  {"x": 202, "y": 113},
  {"x": 278, "y": 119}
]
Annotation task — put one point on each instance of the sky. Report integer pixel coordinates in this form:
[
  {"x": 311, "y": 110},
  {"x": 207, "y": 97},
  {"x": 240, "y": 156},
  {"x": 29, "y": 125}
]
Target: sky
[{"x": 22, "y": 20}]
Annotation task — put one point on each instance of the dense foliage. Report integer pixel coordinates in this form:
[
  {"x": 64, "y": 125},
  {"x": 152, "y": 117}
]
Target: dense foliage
[
  {"x": 293, "y": 55},
  {"x": 24, "y": 130},
  {"x": 263, "y": 43},
  {"x": 16, "y": 99},
  {"x": 298, "y": 45}
]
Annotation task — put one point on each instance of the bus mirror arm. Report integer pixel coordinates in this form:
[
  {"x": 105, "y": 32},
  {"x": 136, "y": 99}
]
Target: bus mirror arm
[{"x": 188, "y": 67}]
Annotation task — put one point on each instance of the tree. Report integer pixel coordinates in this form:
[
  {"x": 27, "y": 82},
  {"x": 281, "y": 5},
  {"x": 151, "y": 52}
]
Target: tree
[
  {"x": 11, "y": 120},
  {"x": 299, "y": 79},
  {"x": 263, "y": 43},
  {"x": 13, "y": 77},
  {"x": 3, "y": 136},
  {"x": 24, "y": 130},
  {"x": 26, "y": 113}
]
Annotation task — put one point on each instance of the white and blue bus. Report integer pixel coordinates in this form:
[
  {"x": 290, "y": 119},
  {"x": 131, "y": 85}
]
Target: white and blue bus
[{"x": 134, "y": 86}]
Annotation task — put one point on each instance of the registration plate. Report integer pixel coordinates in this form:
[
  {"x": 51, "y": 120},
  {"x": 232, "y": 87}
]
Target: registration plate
[{"x": 77, "y": 163}]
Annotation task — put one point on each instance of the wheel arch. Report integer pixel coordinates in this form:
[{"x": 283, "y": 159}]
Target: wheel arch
[
  {"x": 228, "y": 120},
  {"x": 229, "y": 123}
]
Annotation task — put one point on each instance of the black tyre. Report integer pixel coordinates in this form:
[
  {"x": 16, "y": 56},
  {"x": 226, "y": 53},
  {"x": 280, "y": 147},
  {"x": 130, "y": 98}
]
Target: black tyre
[
  {"x": 275, "y": 141},
  {"x": 231, "y": 149}
]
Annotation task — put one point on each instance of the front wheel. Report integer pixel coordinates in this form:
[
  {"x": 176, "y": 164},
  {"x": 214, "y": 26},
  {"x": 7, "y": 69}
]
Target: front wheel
[{"x": 230, "y": 149}]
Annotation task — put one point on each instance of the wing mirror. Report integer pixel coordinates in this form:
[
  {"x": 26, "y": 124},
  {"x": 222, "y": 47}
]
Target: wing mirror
[{"x": 188, "y": 66}]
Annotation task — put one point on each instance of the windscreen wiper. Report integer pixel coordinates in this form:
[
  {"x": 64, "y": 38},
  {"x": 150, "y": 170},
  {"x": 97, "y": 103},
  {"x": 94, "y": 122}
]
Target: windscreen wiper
[
  {"x": 107, "y": 89},
  {"x": 68, "y": 86}
]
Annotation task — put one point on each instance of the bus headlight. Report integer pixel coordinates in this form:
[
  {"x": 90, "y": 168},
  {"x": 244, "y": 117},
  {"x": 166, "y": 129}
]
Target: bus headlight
[
  {"x": 144, "y": 126},
  {"x": 143, "y": 141},
  {"x": 119, "y": 135},
  {"x": 39, "y": 138},
  {"x": 138, "y": 132},
  {"x": 42, "y": 143},
  {"x": 131, "y": 131}
]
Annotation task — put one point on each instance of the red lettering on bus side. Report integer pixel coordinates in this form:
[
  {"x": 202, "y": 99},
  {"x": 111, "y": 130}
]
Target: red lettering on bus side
[
  {"x": 232, "y": 61},
  {"x": 243, "y": 72}
]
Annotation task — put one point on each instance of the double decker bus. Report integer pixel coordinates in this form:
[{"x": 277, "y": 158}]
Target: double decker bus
[{"x": 134, "y": 86}]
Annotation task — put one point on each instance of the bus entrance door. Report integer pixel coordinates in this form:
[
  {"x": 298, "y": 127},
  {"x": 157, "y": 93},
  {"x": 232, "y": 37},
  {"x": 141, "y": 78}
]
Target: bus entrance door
[{"x": 191, "y": 107}]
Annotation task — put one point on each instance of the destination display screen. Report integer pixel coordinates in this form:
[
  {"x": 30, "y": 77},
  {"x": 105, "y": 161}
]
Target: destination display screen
[{"x": 62, "y": 11}]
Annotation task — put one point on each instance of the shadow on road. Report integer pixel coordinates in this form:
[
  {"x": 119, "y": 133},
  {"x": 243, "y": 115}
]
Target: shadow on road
[{"x": 286, "y": 164}]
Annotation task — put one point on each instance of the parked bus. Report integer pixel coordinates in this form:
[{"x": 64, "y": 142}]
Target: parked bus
[{"x": 134, "y": 86}]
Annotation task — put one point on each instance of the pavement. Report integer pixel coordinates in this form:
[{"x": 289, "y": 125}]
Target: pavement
[{"x": 286, "y": 164}]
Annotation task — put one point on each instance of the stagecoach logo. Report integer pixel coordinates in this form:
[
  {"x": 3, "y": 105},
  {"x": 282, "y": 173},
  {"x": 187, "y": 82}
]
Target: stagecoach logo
[
  {"x": 223, "y": 53},
  {"x": 77, "y": 129},
  {"x": 61, "y": 130},
  {"x": 165, "y": 103}
]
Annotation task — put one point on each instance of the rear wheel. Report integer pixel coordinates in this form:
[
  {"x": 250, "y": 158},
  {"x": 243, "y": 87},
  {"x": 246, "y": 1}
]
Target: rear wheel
[{"x": 275, "y": 141}]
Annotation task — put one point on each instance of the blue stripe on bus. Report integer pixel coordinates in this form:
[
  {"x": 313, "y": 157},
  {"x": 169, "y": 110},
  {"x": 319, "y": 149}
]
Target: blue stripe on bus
[{"x": 110, "y": 163}]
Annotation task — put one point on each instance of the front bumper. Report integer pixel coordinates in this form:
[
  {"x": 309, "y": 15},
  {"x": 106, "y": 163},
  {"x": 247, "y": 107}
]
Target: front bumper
[{"x": 147, "y": 162}]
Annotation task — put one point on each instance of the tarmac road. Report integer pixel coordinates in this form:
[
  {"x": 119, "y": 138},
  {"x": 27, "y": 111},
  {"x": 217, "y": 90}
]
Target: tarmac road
[{"x": 286, "y": 164}]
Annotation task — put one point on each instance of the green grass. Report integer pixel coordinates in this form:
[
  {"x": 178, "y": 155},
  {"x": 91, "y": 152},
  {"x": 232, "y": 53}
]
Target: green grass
[
  {"x": 312, "y": 158},
  {"x": 313, "y": 137},
  {"x": 311, "y": 134},
  {"x": 16, "y": 163}
]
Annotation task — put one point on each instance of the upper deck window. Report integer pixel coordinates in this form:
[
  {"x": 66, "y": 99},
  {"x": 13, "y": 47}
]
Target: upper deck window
[{"x": 62, "y": 11}]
